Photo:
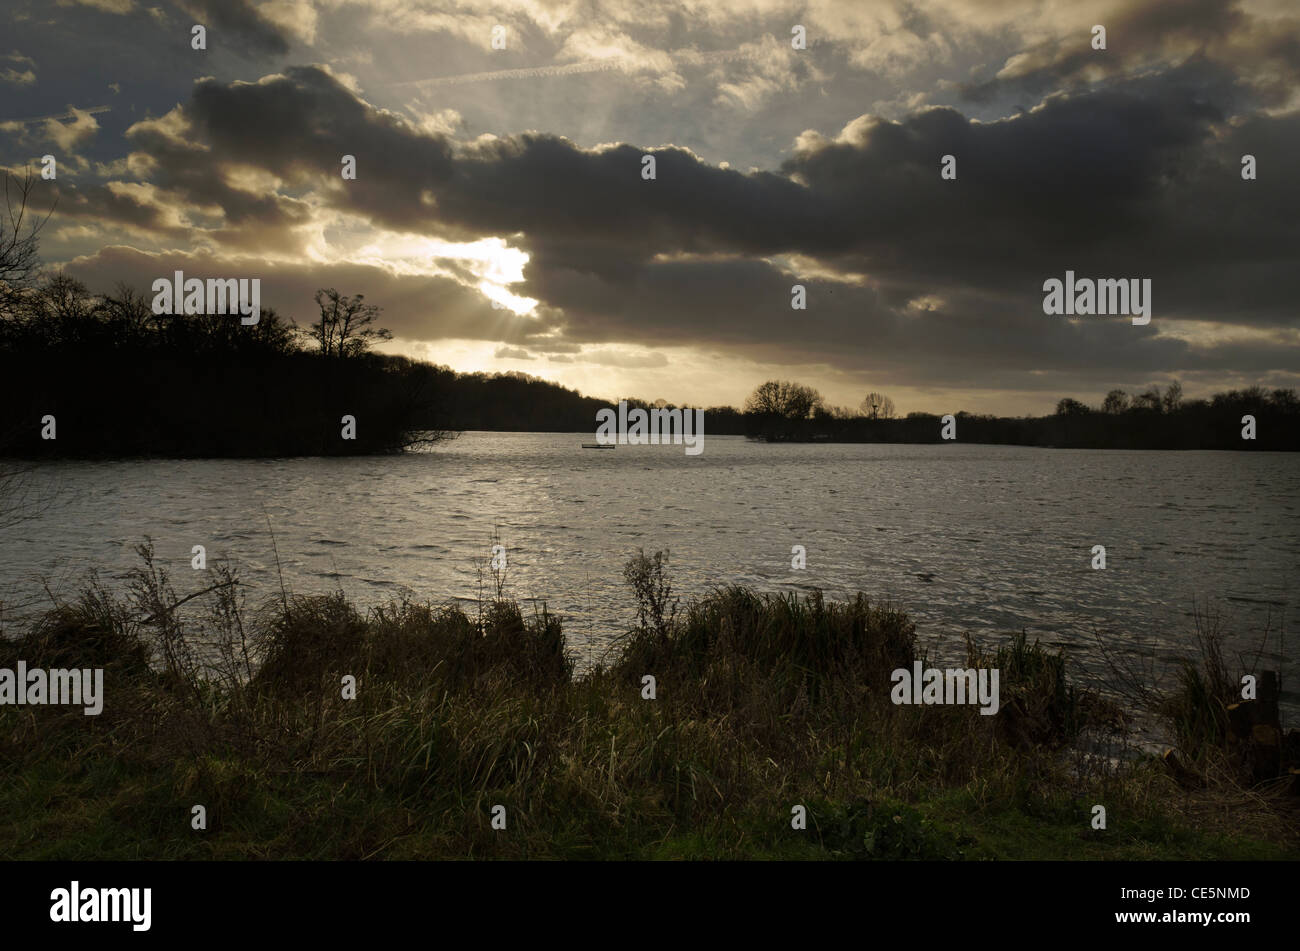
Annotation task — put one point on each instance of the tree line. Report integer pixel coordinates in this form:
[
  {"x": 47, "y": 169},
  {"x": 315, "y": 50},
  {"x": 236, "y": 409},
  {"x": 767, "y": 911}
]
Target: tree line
[
  {"x": 116, "y": 379},
  {"x": 781, "y": 410}
]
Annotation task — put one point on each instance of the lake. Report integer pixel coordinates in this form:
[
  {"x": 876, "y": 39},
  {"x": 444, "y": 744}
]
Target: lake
[{"x": 985, "y": 539}]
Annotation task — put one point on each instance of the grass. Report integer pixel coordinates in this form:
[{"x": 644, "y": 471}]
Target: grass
[{"x": 762, "y": 703}]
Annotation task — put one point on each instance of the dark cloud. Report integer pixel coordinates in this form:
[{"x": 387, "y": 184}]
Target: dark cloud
[
  {"x": 132, "y": 209},
  {"x": 1126, "y": 166},
  {"x": 1137, "y": 179},
  {"x": 1264, "y": 55},
  {"x": 300, "y": 125},
  {"x": 239, "y": 18}
]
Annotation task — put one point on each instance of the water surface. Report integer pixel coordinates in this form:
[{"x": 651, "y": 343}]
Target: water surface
[{"x": 985, "y": 539}]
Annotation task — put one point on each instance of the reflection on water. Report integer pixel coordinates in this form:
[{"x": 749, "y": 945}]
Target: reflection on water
[{"x": 966, "y": 538}]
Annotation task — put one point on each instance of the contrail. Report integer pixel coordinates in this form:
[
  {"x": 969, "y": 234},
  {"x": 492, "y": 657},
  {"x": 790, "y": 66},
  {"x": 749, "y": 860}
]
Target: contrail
[
  {"x": 684, "y": 57},
  {"x": 526, "y": 73},
  {"x": 93, "y": 110}
]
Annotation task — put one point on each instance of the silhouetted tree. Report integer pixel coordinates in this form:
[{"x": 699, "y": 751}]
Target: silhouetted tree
[
  {"x": 785, "y": 399},
  {"x": 1173, "y": 398},
  {"x": 345, "y": 326},
  {"x": 1071, "y": 407},
  {"x": 19, "y": 245},
  {"x": 128, "y": 314},
  {"x": 1116, "y": 401},
  {"x": 878, "y": 406},
  {"x": 1148, "y": 399},
  {"x": 1285, "y": 400}
]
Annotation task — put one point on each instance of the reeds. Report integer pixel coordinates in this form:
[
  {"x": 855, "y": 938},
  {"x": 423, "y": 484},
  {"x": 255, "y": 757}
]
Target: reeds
[{"x": 761, "y": 702}]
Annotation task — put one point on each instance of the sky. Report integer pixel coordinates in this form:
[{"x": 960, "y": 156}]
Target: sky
[{"x": 501, "y": 217}]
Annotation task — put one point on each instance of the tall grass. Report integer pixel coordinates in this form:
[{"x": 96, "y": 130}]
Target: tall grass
[{"x": 762, "y": 702}]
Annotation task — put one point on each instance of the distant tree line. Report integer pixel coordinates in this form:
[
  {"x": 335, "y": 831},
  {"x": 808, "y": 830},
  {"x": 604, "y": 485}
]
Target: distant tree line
[
  {"x": 517, "y": 402},
  {"x": 783, "y": 411},
  {"x": 120, "y": 380},
  {"x": 116, "y": 379}
]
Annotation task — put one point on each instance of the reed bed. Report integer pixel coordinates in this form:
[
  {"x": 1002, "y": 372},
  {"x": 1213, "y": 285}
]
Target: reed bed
[{"x": 762, "y": 703}]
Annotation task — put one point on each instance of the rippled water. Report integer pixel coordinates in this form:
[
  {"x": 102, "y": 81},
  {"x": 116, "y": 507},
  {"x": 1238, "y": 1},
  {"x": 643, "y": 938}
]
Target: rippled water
[{"x": 986, "y": 539}]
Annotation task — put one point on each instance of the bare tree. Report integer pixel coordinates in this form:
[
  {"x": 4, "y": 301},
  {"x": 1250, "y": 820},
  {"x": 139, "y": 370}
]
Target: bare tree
[
  {"x": 1285, "y": 399},
  {"x": 345, "y": 326},
  {"x": 878, "y": 406},
  {"x": 1116, "y": 401},
  {"x": 65, "y": 305},
  {"x": 1173, "y": 397},
  {"x": 20, "y": 496},
  {"x": 1148, "y": 399},
  {"x": 127, "y": 312},
  {"x": 783, "y": 398},
  {"x": 19, "y": 230},
  {"x": 1071, "y": 407}
]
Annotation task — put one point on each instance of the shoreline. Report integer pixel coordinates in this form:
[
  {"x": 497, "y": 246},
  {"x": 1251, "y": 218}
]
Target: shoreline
[{"x": 759, "y": 704}]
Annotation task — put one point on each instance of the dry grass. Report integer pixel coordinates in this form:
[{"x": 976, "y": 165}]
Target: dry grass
[{"x": 762, "y": 702}]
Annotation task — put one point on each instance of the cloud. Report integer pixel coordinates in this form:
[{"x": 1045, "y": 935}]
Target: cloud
[
  {"x": 108, "y": 6},
  {"x": 512, "y": 353},
  {"x": 242, "y": 21},
  {"x": 298, "y": 18},
  {"x": 1123, "y": 165},
  {"x": 17, "y": 69},
  {"x": 70, "y": 135},
  {"x": 1262, "y": 53},
  {"x": 1137, "y": 178},
  {"x": 620, "y": 357}
]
